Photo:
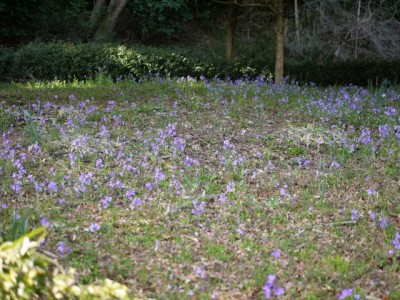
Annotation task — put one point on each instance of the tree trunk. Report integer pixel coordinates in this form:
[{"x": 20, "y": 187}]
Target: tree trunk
[
  {"x": 297, "y": 21},
  {"x": 279, "y": 40},
  {"x": 231, "y": 28},
  {"x": 358, "y": 22},
  {"x": 96, "y": 15},
  {"x": 113, "y": 12}
]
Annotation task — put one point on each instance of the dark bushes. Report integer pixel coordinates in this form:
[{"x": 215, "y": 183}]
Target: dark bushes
[
  {"x": 357, "y": 72},
  {"x": 6, "y": 61}
]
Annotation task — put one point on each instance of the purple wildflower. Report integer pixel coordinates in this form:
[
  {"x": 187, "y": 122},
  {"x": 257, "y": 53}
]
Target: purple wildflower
[
  {"x": 390, "y": 111},
  {"x": 198, "y": 208},
  {"x": 345, "y": 293},
  {"x": 110, "y": 106},
  {"x": 199, "y": 271},
  {"x": 103, "y": 131},
  {"x": 372, "y": 214},
  {"x": 269, "y": 166},
  {"x": 383, "y": 222},
  {"x": 227, "y": 145},
  {"x": 135, "y": 202},
  {"x": 283, "y": 191},
  {"x": 117, "y": 184},
  {"x": 270, "y": 289},
  {"x": 52, "y": 187},
  {"x": 158, "y": 176},
  {"x": 94, "y": 227},
  {"x": 366, "y": 136},
  {"x": 222, "y": 198},
  {"x": 335, "y": 164},
  {"x": 63, "y": 249},
  {"x": 45, "y": 222},
  {"x": 230, "y": 187},
  {"x": 16, "y": 186},
  {"x": 384, "y": 130},
  {"x": 72, "y": 159},
  {"x": 354, "y": 215},
  {"x": 130, "y": 193},
  {"x": 276, "y": 253},
  {"x": 396, "y": 241},
  {"x": 85, "y": 178},
  {"x": 188, "y": 161},
  {"x": 99, "y": 163},
  {"x": 106, "y": 201}
]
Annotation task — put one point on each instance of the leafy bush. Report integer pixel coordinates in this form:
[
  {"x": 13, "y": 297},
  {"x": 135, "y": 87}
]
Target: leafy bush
[
  {"x": 56, "y": 60},
  {"x": 64, "y": 61},
  {"x": 26, "y": 273}
]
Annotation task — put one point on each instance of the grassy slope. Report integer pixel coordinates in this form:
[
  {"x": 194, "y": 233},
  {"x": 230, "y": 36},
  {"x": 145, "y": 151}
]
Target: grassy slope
[{"x": 283, "y": 168}]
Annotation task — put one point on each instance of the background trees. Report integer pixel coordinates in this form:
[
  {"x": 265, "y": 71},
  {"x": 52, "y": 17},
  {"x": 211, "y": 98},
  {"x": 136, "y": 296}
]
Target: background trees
[
  {"x": 258, "y": 31},
  {"x": 345, "y": 30}
]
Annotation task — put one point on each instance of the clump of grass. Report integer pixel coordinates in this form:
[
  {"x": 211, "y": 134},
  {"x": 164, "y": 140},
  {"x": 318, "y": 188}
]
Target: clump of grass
[{"x": 15, "y": 229}]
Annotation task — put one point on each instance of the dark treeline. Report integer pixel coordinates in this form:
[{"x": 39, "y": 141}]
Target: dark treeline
[{"x": 296, "y": 34}]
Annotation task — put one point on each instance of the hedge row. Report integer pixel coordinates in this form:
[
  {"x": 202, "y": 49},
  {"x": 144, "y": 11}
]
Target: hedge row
[{"x": 65, "y": 61}]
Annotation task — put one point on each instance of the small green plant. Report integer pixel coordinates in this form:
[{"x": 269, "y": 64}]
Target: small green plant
[
  {"x": 321, "y": 180},
  {"x": 6, "y": 120},
  {"x": 31, "y": 126},
  {"x": 19, "y": 226},
  {"x": 338, "y": 264}
]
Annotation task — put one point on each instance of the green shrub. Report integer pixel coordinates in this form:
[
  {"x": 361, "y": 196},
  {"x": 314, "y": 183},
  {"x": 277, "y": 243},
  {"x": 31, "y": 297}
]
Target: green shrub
[
  {"x": 56, "y": 60},
  {"x": 66, "y": 61},
  {"x": 26, "y": 273}
]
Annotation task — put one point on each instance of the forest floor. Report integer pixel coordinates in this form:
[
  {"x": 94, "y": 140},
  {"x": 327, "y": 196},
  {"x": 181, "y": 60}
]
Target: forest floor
[{"x": 185, "y": 189}]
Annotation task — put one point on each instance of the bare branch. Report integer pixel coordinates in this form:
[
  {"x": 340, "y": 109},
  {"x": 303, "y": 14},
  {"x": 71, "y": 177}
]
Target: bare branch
[{"x": 360, "y": 30}]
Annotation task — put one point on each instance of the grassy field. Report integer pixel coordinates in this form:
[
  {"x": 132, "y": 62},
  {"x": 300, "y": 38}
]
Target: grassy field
[{"x": 185, "y": 189}]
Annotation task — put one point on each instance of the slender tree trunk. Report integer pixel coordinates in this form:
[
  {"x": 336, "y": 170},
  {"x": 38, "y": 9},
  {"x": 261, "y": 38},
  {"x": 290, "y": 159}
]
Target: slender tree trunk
[
  {"x": 96, "y": 15},
  {"x": 358, "y": 21},
  {"x": 113, "y": 12},
  {"x": 279, "y": 40},
  {"x": 107, "y": 25},
  {"x": 231, "y": 29},
  {"x": 297, "y": 21}
]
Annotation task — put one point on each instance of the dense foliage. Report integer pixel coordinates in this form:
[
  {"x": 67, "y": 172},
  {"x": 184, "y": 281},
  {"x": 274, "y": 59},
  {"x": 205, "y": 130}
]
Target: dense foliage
[{"x": 68, "y": 61}]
